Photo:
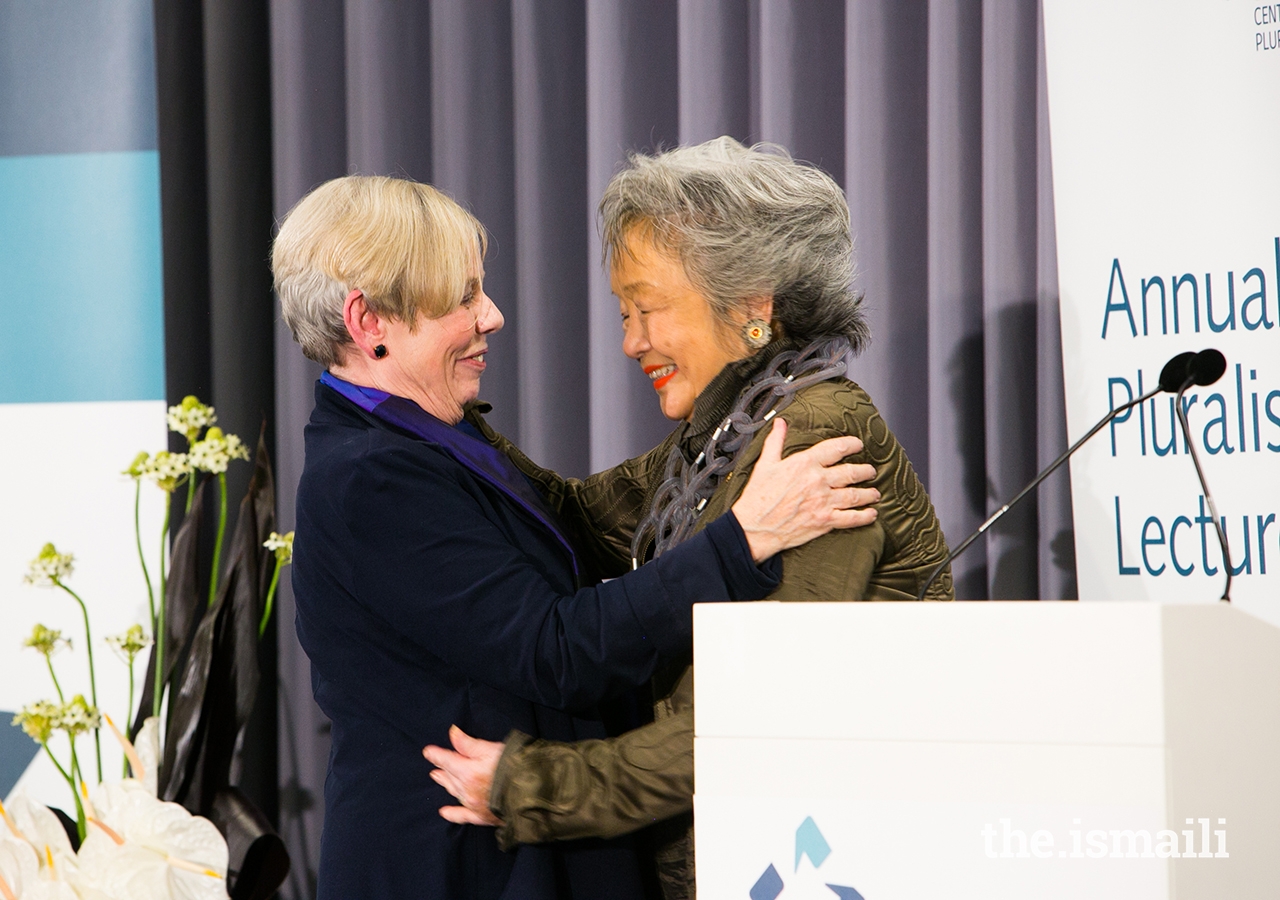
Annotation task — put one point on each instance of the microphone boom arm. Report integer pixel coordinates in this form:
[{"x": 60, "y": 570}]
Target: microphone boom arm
[{"x": 1053, "y": 467}]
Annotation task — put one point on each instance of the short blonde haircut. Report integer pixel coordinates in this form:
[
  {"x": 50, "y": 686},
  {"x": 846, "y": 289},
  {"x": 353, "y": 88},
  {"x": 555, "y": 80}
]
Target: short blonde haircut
[{"x": 408, "y": 247}]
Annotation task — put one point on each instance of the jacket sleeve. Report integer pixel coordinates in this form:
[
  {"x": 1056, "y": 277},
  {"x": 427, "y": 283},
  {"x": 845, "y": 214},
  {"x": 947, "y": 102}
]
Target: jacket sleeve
[
  {"x": 545, "y": 790},
  {"x": 602, "y": 511},
  {"x": 888, "y": 559},
  {"x": 431, "y": 561},
  {"x": 556, "y": 791},
  {"x": 839, "y": 564}
]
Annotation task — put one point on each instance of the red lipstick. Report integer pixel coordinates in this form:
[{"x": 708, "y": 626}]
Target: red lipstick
[{"x": 661, "y": 375}]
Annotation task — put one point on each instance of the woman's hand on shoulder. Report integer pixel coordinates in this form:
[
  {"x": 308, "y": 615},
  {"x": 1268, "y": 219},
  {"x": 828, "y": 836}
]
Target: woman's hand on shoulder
[{"x": 789, "y": 502}]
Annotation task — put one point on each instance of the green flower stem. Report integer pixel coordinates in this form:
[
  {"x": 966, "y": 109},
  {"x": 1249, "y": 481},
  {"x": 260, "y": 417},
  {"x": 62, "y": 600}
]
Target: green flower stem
[
  {"x": 191, "y": 489},
  {"x": 217, "y": 543},
  {"x": 93, "y": 679},
  {"x": 71, "y": 783},
  {"x": 271, "y": 596},
  {"x": 81, "y": 825},
  {"x": 158, "y": 631},
  {"x": 49, "y": 661},
  {"x": 137, "y": 535},
  {"x": 128, "y": 714},
  {"x": 64, "y": 772}
]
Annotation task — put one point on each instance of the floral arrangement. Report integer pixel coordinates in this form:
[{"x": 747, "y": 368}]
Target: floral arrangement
[
  {"x": 133, "y": 844},
  {"x": 137, "y": 846}
]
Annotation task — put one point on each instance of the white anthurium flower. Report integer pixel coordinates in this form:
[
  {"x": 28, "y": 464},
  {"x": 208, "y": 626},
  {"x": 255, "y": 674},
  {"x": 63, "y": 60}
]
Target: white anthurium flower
[
  {"x": 147, "y": 744},
  {"x": 36, "y": 830},
  {"x": 140, "y": 848},
  {"x": 38, "y": 827},
  {"x": 19, "y": 866},
  {"x": 21, "y": 877},
  {"x": 41, "y": 888}
]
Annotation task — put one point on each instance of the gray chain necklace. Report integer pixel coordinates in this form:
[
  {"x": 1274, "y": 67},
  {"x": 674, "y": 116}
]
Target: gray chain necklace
[{"x": 686, "y": 487}]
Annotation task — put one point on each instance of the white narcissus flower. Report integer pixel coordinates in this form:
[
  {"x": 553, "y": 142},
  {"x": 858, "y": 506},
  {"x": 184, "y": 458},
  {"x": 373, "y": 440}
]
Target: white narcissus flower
[
  {"x": 39, "y": 719},
  {"x": 128, "y": 644},
  {"x": 50, "y": 567},
  {"x": 46, "y": 641},
  {"x": 166, "y": 470},
  {"x": 215, "y": 452},
  {"x": 138, "y": 466},
  {"x": 77, "y": 716},
  {"x": 150, "y": 850},
  {"x": 281, "y": 545},
  {"x": 189, "y": 417}
]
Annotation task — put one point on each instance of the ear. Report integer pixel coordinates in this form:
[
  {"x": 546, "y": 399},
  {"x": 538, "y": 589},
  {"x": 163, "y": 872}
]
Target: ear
[
  {"x": 760, "y": 308},
  {"x": 366, "y": 327}
]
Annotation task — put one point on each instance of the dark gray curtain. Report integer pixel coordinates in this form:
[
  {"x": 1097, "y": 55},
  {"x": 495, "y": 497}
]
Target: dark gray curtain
[
  {"x": 214, "y": 124},
  {"x": 931, "y": 113}
]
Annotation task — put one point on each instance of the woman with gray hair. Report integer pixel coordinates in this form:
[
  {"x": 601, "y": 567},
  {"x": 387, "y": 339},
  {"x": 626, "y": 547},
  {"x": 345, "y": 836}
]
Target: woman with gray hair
[
  {"x": 733, "y": 269},
  {"x": 435, "y": 585}
]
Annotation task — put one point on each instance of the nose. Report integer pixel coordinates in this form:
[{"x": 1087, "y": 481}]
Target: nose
[
  {"x": 635, "y": 343},
  {"x": 490, "y": 318}
]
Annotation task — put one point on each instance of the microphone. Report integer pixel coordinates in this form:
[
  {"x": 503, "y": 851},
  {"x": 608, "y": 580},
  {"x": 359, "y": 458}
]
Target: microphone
[
  {"x": 1203, "y": 369},
  {"x": 1179, "y": 373},
  {"x": 1176, "y": 371}
]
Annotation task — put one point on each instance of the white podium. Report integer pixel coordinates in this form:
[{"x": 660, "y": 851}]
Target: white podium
[{"x": 921, "y": 751}]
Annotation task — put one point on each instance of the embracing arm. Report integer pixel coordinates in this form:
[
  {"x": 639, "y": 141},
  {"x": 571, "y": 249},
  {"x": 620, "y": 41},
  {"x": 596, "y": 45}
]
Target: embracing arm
[
  {"x": 446, "y": 564},
  {"x": 553, "y": 791},
  {"x": 602, "y": 511},
  {"x": 537, "y": 790},
  {"x": 436, "y": 560},
  {"x": 544, "y": 790},
  {"x": 824, "y": 484}
]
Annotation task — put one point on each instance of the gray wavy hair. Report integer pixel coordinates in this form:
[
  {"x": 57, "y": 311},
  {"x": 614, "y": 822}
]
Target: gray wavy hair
[{"x": 746, "y": 223}]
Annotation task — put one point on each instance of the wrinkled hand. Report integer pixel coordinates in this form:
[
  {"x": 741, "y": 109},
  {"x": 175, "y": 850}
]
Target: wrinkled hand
[
  {"x": 466, "y": 771},
  {"x": 789, "y": 502}
]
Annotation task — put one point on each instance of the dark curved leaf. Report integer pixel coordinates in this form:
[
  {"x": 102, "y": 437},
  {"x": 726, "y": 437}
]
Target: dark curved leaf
[
  {"x": 214, "y": 698},
  {"x": 258, "y": 862}
]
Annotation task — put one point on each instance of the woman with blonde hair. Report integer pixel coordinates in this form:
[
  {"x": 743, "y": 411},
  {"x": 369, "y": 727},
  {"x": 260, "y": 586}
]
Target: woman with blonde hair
[{"x": 436, "y": 585}]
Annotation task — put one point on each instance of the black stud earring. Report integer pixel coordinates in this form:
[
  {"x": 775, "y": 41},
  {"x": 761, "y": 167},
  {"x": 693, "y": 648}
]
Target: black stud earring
[{"x": 380, "y": 351}]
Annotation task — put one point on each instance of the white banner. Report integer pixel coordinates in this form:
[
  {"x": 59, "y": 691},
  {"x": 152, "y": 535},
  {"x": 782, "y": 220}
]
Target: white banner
[
  {"x": 1165, "y": 123},
  {"x": 60, "y": 472},
  {"x": 82, "y": 377}
]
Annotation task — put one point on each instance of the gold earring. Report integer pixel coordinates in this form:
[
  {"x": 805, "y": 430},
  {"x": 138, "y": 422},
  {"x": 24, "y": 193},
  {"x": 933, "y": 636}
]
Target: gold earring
[{"x": 757, "y": 333}]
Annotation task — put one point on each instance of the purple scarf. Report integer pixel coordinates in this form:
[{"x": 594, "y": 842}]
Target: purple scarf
[{"x": 475, "y": 455}]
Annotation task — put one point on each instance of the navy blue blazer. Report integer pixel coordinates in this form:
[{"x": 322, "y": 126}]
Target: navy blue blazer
[{"x": 425, "y": 597}]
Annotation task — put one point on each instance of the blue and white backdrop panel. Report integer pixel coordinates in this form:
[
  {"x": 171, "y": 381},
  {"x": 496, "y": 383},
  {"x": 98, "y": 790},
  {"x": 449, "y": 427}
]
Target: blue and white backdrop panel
[
  {"x": 1168, "y": 221},
  {"x": 82, "y": 377}
]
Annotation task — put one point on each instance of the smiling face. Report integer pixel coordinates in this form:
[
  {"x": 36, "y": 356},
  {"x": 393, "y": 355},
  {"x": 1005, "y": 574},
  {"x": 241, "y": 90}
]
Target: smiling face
[
  {"x": 668, "y": 326},
  {"x": 438, "y": 364}
]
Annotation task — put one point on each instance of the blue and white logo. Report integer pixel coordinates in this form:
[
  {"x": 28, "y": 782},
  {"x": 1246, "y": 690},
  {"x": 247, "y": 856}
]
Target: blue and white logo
[{"x": 810, "y": 843}]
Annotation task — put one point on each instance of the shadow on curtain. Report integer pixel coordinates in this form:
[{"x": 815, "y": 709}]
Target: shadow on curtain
[{"x": 931, "y": 113}]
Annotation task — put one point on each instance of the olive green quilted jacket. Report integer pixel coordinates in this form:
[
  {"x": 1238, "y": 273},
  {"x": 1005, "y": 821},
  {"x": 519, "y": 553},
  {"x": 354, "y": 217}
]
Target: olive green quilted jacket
[{"x": 553, "y": 791}]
